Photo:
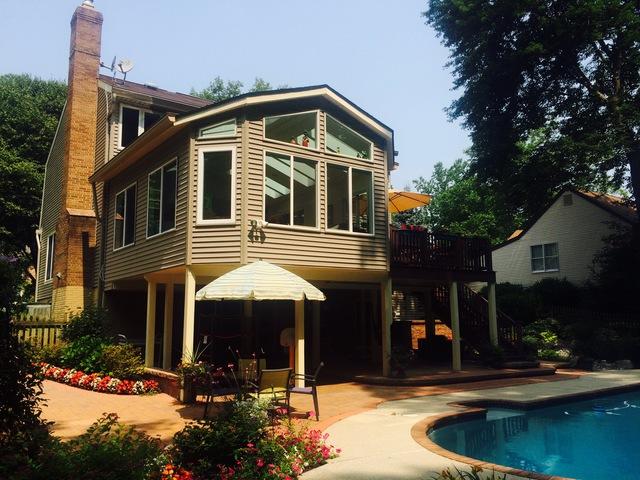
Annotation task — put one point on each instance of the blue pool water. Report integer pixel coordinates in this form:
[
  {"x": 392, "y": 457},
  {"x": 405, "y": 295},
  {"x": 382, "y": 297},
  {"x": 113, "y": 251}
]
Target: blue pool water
[{"x": 589, "y": 439}]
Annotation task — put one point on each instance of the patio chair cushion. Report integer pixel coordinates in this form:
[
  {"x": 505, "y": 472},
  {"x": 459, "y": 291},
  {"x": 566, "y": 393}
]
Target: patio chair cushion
[{"x": 307, "y": 390}]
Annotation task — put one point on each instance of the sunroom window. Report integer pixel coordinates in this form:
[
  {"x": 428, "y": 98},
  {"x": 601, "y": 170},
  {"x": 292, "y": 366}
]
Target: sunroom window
[
  {"x": 215, "y": 185},
  {"x": 290, "y": 190},
  {"x": 344, "y": 141},
  {"x": 133, "y": 122},
  {"x": 297, "y": 128},
  {"x": 161, "y": 203},
  {"x": 125, "y": 218},
  {"x": 349, "y": 199}
]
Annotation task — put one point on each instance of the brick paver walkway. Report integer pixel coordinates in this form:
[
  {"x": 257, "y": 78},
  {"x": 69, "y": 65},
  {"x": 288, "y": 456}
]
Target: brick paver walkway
[{"x": 73, "y": 409}]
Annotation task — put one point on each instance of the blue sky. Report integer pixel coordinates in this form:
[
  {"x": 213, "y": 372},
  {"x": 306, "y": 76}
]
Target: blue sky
[{"x": 378, "y": 53}]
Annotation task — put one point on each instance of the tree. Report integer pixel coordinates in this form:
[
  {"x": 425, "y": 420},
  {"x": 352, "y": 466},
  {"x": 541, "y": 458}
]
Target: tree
[
  {"x": 550, "y": 92},
  {"x": 219, "y": 90},
  {"x": 460, "y": 205},
  {"x": 29, "y": 113}
]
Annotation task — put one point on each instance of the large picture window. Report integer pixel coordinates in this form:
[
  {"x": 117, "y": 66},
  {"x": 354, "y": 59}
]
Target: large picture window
[
  {"x": 344, "y": 141},
  {"x": 133, "y": 122},
  {"x": 298, "y": 129},
  {"x": 161, "y": 202},
  {"x": 349, "y": 199},
  {"x": 125, "y": 218},
  {"x": 290, "y": 190},
  {"x": 216, "y": 177},
  {"x": 544, "y": 258},
  {"x": 51, "y": 251}
]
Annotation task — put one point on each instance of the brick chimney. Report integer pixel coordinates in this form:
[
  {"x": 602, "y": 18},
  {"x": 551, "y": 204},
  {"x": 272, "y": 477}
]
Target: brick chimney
[{"x": 75, "y": 233}]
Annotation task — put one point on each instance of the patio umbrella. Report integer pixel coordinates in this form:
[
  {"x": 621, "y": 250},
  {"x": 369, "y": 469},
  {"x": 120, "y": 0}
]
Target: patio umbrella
[
  {"x": 400, "y": 201},
  {"x": 259, "y": 280}
]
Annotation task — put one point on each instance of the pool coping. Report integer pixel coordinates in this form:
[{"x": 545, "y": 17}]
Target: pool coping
[{"x": 478, "y": 408}]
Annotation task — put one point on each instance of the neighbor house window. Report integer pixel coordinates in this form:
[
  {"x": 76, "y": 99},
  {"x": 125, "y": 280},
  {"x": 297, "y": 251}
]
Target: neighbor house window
[
  {"x": 290, "y": 190},
  {"x": 544, "y": 258},
  {"x": 349, "y": 199},
  {"x": 344, "y": 141},
  {"x": 51, "y": 250},
  {"x": 216, "y": 185},
  {"x": 133, "y": 122},
  {"x": 218, "y": 130},
  {"x": 125, "y": 218},
  {"x": 161, "y": 202},
  {"x": 297, "y": 128}
]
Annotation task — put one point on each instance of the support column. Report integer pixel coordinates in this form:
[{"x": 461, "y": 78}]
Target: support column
[
  {"x": 455, "y": 327},
  {"x": 493, "y": 315},
  {"x": 189, "y": 314},
  {"x": 315, "y": 345},
  {"x": 299, "y": 352},
  {"x": 386, "y": 311},
  {"x": 168, "y": 326},
  {"x": 150, "y": 341}
]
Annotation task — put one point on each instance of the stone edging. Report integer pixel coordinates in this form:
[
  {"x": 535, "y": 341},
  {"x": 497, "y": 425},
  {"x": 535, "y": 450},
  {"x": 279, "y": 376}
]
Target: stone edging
[{"x": 477, "y": 408}]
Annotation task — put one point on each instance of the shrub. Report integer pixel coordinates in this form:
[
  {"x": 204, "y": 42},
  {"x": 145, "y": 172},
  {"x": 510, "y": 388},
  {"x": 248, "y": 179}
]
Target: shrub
[
  {"x": 49, "y": 354},
  {"x": 90, "y": 322},
  {"x": 474, "y": 474},
  {"x": 84, "y": 353},
  {"x": 122, "y": 361}
]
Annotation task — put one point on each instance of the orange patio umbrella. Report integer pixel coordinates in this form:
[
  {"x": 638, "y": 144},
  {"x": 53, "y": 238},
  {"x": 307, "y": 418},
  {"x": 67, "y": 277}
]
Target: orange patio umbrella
[{"x": 400, "y": 201}]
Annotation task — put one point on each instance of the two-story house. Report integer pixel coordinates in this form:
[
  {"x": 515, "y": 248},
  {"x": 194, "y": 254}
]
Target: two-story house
[{"x": 150, "y": 194}]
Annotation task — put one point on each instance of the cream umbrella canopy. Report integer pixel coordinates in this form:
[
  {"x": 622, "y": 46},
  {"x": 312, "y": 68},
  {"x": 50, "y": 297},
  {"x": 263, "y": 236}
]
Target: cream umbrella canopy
[
  {"x": 400, "y": 201},
  {"x": 259, "y": 280}
]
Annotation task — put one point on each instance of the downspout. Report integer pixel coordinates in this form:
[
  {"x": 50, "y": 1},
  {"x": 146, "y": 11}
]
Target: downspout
[{"x": 103, "y": 241}]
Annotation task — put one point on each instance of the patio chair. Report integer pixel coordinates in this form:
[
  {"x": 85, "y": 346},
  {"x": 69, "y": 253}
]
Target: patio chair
[
  {"x": 273, "y": 383},
  {"x": 218, "y": 385},
  {"x": 310, "y": 388}
]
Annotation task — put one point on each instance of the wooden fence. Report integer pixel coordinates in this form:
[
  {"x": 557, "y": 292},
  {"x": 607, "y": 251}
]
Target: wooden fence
[{"x": 37, "y": 330}]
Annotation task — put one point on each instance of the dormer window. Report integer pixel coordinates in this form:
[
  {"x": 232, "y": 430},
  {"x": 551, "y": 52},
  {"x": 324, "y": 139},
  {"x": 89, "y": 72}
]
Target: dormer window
[
  {"x": 297, "y": 128},
  {"x": 133, "y": 122},
  {"x": 344, "y": 141}
]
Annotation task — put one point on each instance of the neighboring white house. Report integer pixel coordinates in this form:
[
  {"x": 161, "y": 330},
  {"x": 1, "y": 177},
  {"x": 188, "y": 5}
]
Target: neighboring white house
[{"x": 562, "y": 241}]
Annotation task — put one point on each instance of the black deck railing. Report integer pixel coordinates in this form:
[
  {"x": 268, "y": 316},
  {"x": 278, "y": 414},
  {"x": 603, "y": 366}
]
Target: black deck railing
[{"x": 420, "y": 249}]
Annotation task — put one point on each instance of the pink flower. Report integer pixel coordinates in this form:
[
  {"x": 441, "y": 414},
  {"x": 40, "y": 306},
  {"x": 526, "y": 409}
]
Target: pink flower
[{"x": 260, "y": 462}]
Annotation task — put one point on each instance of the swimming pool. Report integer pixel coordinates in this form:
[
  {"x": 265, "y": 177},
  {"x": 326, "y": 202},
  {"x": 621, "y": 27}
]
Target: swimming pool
[{"x": 588, "y": 439}]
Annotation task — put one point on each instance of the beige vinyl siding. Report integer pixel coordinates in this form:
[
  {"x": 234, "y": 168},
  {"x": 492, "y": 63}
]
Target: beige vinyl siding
[
  {"x": 51, "y": 204},
  {"x": 161, "y": 251},
  {"x": 217, "y": 243},
  {"x": 102, "y": 140},
  {"x": 578, "y": 229},
  {"x": 316, "y": 248}
]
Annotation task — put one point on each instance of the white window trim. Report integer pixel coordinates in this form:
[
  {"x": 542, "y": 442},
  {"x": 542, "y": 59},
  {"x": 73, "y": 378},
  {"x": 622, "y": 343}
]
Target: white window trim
[
  {"x": 373, "y": 203},
  {"x": 235, "y": 130},
  {"x": 49, "y": 256},
  {"x": 201, "y": 152},
  {"x": 370, "y": 159},
  {"x": 290, "y": 226},
  {"x": 175, "y": 220},
  {"x": 293, "y": 145},
  {"x": 115, "y": 206},
  {"x": 140, "y": 121},
  {"x": 544, "y": 262}
]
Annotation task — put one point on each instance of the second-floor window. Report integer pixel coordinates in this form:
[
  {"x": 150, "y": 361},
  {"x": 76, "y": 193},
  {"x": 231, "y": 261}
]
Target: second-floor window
[
  {"x": 544, "y": 258},
  {"x": 290, "y": 190},
  {"x": 296, "y": 128},
  {"x": 349, "y": 199},
  {"x": 51, "y": 251},
  {"x": 344, "y": 141},
  {"x": 216, "y": 185},
  {"x": 161, "y": 202},
  {"x": 124, "y": 227},
  {"x": 133, "y": 122}
]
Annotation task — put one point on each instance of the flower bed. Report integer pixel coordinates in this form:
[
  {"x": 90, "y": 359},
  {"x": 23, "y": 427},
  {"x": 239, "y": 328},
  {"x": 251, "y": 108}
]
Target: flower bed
[{"x": 97, "y": 382}]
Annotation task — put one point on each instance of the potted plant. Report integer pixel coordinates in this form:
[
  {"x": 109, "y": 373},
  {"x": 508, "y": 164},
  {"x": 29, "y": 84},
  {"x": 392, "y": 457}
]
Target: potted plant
[{"x": 192, "y": 373}]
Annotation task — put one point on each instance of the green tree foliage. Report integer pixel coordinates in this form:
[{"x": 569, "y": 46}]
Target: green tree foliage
[
  {"x": 550, "y": 92},
  {"x": 29, "y": 113},
  {"x": 460, "y": 205},
  {"x": 219, "y": 89}
]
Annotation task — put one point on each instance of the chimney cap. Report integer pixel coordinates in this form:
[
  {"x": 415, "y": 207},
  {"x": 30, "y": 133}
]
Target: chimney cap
[{"x": 88, "y": 3}]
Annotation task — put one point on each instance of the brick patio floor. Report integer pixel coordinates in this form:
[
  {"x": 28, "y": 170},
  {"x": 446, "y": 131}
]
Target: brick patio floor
[{"x": 73, "y": 409}]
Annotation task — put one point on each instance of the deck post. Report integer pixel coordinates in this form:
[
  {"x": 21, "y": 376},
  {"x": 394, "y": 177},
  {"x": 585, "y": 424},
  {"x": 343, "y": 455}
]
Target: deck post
[
  {"x": 167, "y": 334},
  {"x": 189, "y": 315},
  {"x": 150, "y": 339},
  {"x": 315, "y": 345},
  {"x": 455, "y": 327},
  {"x": 386, "y": 292},
  {"x": 299, "y": 345},
  {"x": 493, "y": 317}
]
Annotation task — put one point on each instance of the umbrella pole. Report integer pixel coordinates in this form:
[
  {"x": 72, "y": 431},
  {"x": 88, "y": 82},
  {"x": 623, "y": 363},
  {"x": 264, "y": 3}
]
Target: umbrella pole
[{"x": 299, "y": 342}]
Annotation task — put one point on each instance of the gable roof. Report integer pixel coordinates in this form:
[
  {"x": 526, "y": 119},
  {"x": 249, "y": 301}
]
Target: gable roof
[{"x": 615, "y": 205}]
